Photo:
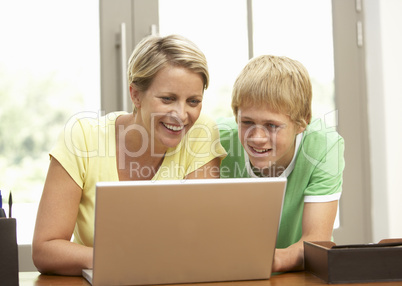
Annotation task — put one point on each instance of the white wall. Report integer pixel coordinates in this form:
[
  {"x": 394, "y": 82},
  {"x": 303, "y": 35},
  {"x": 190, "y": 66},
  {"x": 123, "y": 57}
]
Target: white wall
[
  {"x": 391, "y": 26},
  {"x": 384, "y": 88}
]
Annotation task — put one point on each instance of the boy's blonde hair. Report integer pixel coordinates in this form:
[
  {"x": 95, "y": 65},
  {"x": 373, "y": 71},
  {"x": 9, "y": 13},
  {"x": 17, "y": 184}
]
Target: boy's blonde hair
[
  {"x": 280, "y": 83},
  {"x": 154, "y": 53}
]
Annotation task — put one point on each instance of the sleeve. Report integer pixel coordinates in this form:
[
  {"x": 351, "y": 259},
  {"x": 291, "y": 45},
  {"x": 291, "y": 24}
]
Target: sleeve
[
  {"x": 71, "y": 151},
  {"x": 203, "y": 144},
  {"x": 326, "y": 179}
]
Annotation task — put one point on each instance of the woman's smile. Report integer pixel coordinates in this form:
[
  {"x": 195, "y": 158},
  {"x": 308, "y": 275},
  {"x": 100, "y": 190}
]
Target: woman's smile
[{"x": 173, "y": 128}]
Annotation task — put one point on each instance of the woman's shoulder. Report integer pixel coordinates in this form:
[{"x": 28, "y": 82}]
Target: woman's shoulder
[
  {"x": 204, "y": 127},
  {"x": 96, "y": 119},
  {"x": 89, "y": 127},
  {"x": 205, "y": 119}
]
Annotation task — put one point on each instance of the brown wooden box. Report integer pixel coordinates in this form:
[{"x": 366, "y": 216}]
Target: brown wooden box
[
  {"x": 354, "y": 263},
  {"x": 8, "y": 252}
]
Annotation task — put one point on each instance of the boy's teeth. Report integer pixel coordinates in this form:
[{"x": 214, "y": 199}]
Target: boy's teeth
[
  {"x": 260, "y": 150},
  {"x": 173, "y": 127}
]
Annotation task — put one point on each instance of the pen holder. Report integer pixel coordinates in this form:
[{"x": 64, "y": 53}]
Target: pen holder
[{"x": 8, "y": 252}]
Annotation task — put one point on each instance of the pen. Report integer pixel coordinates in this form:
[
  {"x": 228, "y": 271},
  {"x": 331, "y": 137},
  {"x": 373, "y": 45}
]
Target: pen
[
  {"x": 10, "y": 204},
  {"x": 2, "y": 213}
]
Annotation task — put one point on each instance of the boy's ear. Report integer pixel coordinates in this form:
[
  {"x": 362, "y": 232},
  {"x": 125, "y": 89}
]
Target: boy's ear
[
  {"x": 301, "y": 129},
  {"x": 135, "y": 96}
]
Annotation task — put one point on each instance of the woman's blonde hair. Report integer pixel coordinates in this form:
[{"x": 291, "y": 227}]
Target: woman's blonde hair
[
  {"x": 154, "y": 53},
  {"x": 280, "y": 83}
]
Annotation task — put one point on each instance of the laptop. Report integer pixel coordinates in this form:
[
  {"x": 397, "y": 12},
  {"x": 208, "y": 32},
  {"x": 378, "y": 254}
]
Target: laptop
[{"x": 190, "y": 231}]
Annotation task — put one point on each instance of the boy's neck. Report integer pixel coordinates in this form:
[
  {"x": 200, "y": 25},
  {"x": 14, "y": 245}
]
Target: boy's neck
[{"x": 272, "y": 171}]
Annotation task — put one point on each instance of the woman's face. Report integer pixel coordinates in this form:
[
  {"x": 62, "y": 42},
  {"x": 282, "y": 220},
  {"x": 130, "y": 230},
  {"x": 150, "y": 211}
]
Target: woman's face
[
  {"x": 268, "y": 138},
  {"x": 170, "y": 106}
]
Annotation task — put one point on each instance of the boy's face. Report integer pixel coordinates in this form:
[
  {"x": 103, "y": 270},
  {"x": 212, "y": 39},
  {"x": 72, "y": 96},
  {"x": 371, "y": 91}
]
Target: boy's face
[{"x": 268, "y": 138}]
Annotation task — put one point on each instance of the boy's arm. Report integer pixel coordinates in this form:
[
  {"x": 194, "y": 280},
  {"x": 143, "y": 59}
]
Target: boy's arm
[{"x": 318, "y": 222}]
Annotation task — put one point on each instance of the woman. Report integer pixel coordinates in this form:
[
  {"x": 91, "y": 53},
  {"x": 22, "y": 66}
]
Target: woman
[{"x": 158, "y": 140}]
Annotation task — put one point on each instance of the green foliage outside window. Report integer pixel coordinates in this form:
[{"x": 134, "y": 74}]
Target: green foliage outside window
[{"x": 34, "y": 109}]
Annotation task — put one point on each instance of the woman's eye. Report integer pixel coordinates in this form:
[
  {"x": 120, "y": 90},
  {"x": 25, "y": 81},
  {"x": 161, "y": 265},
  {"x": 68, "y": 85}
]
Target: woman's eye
[
  {"x": 166, "y": 99},
  {"x": 194, "y": 102}
]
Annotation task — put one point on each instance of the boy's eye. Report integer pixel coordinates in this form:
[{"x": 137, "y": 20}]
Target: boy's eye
[
  {"x": 246, "y": 122},
  {"x": 272, "y": 126}
]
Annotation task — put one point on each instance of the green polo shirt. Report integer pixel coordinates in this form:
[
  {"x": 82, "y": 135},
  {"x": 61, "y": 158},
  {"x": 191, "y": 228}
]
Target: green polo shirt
[{"x": 314, "y": 175}]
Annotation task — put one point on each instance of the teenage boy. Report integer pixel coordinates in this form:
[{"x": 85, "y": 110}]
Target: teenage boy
[{"x": 273, "y": 135}]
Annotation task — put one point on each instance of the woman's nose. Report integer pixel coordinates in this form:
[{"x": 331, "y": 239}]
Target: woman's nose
[{"x": 180, "y": 112}]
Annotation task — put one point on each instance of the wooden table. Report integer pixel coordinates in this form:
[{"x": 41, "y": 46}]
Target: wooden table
[{"x": 288, "y": 279}]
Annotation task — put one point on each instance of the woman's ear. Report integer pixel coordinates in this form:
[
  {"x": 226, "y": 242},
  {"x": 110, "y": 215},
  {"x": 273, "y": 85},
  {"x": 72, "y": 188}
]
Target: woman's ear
[{"x": 135, "y": 96}]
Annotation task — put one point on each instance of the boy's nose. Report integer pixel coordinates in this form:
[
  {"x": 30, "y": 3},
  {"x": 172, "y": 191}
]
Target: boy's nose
[{"x": 260, "y": 132}]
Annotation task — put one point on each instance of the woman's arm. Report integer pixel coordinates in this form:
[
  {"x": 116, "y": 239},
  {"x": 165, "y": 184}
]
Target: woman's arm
[
  {"x": 318, "y": 222},
  {"x": 52, "y": 251}
]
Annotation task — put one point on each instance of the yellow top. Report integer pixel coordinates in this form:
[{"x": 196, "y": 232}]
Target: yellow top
[{"x": 87, "y": 151}]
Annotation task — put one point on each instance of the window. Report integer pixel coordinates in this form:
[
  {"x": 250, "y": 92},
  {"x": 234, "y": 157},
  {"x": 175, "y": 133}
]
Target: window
[
  {"x": 50, "y": 69},
  {"x": 220, "y": 29},
  {"x": 222, "y": 36},
  {"x": 301, "y": 30},
  {"x": 49, "y": 66}
]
